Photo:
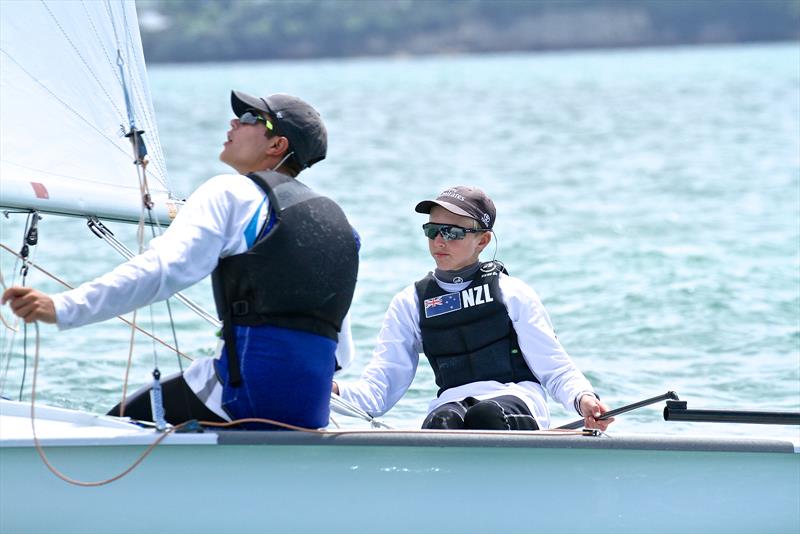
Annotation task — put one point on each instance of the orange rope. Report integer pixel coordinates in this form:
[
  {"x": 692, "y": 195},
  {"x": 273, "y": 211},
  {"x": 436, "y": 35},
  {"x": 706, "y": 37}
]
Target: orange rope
[
  {"x": 162, "y": 436},
  {"x": 51, "y": 467},
  {"x": 127, "y": 369}
]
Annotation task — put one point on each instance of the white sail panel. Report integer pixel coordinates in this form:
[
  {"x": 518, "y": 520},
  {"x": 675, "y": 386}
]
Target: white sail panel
[{"x": 63, "y": 110}]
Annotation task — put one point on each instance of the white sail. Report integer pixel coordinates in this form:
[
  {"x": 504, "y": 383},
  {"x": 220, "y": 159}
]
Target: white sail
[{"x": 65, "y": 67}]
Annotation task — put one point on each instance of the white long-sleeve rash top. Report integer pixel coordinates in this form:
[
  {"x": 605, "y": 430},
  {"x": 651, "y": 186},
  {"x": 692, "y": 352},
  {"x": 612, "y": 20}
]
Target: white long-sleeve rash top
[
  {"x": 396, "y": 356},
  {"x": 221, "y": 218}
]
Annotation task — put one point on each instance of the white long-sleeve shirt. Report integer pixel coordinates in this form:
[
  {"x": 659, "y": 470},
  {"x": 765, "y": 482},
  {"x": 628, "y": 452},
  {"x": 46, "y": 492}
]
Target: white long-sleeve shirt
[
  {"x": 221, "y": 218},
  {"x": 396, "y": 356}
]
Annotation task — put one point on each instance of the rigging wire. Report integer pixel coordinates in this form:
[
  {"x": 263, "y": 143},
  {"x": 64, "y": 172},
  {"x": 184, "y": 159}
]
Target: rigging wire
[
  {"x": 6, "y": 339},
  {"x": 103, "y": 232},
  {"x": 141, "y": 161},
  {"x": 128, "y": 366},
  {"x": 30, "y": 239},
  {"x": 193, "y": 424},
  {"x": 9, "y": 326},
  {"x": 121, "y": 318},
  {"x": 163, "y": 429},
  {"x": 140, "y": 153},
  {"x": 43, "y": 456}
]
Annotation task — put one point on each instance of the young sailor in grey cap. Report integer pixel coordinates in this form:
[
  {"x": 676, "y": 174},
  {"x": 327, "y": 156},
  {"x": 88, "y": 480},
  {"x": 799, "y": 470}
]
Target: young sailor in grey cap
[
  {"x": 283, "y": 261},
  {"x": 486, "y": 335}
]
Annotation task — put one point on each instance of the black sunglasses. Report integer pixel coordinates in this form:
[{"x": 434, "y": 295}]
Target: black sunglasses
[
  {"x": 251, "y": 117},
  {"x": 449, "y": 232}
]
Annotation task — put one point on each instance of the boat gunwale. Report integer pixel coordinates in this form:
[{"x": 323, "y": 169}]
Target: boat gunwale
[
  {"x": 431, "y": 439},
  {"x": 113, "y": 431},
  {"x": 507, "y": 439}
]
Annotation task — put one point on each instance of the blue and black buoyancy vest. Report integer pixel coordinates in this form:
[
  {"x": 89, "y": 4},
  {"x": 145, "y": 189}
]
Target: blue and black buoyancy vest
[
  {"x": 468, "y": 336},
  {"x": 300, "y": 276}
]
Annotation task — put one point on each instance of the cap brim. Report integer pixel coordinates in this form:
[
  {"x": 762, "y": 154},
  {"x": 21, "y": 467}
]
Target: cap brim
[
  {"x": 426, "y": 205},
  {"x": 241, "y": 102}
]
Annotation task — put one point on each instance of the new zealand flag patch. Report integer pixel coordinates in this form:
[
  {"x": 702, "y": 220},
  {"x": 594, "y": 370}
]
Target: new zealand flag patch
[{"x": 442, "y": 304}]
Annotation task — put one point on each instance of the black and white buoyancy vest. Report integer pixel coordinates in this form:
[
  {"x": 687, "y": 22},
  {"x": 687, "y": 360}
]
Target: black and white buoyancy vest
[
  {"x": 468, "y": 336},
  {"x": 301, "y": 275}
]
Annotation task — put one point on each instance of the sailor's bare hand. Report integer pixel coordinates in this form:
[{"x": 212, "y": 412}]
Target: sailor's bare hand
[
  {"x": 592, "y": 408},
  {"x": 29, "y": 304}
]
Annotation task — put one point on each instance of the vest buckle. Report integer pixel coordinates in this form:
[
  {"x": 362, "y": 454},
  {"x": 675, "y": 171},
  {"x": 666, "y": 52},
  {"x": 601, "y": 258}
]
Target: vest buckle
[{"x": 240, "y": 307}]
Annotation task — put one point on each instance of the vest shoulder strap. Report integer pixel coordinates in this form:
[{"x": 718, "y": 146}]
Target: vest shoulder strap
[{"x": 283, "y": 191}]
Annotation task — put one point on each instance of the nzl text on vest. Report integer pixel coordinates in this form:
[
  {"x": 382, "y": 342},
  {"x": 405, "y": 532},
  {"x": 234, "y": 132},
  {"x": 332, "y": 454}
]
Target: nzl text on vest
[{"x": 476, "y": 295}]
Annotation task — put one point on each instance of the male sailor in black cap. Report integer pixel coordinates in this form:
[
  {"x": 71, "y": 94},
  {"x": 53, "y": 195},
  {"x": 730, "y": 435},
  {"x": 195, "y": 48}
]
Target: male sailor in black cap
[
  {"x": 486, "y": 335},
  {"x": 283, "y": 261}
]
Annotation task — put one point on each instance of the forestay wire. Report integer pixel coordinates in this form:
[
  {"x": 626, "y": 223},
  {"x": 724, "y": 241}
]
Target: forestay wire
[{"x": 140, "y": 160}]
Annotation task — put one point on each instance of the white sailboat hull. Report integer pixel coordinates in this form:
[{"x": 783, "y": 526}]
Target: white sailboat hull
[{"x": 387, "y": 481}]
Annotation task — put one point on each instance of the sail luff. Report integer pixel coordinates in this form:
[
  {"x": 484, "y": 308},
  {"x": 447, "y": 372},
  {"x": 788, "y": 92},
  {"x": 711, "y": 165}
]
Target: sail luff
[{"x": 142, "y": 92}]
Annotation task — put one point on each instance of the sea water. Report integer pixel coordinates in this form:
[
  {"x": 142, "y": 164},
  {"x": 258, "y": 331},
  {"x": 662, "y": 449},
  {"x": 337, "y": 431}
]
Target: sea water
[{"x": 651, "y": 197}]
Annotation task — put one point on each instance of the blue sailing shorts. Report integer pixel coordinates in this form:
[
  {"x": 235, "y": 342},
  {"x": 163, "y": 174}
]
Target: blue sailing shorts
[{"x": 286, "y": 377}]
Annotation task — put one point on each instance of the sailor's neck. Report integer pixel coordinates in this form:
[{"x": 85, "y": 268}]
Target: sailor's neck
[{"x": 450, "y": 276}]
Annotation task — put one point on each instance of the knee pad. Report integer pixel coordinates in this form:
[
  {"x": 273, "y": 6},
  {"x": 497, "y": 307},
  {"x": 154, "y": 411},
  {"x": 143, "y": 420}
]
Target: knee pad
[{"x": 486, "y": 415}]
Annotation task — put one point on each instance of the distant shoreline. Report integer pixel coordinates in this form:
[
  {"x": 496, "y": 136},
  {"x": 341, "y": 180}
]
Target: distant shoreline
[
  {"x": 255, "y": 30},
  {"x": 434, "y": 55}
]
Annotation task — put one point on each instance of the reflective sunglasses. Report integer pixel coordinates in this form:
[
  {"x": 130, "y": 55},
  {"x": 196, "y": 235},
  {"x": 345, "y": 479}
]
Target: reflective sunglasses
[
  {"x": 449, "y": 232},
  {"x": 251, "y": 117}
]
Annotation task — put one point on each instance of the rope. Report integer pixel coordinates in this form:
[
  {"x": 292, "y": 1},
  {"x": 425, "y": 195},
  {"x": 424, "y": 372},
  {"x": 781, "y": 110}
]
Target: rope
[
  {"x": 177, "y": 428},
  {"x": 121, "y": 318},
  {"x": 51, "y": 467},
  {"x": 127, "y": 370},
  {"x": 6, "y": 348},
  {"x": 104, "y": 233},
  {"x": 351, "y": 410},
  {"x": 13, "y": 327}
]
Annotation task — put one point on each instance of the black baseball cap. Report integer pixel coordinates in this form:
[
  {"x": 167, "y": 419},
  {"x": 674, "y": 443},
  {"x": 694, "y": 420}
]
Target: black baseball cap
[
  {"x": 294, "y": 119},
  {"x": 463, "y": 200}
]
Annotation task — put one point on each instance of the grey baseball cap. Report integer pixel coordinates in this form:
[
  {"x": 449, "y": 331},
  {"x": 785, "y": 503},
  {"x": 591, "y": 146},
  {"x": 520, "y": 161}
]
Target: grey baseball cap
[
  {"x": 294, "y": 119},
  {"x": 463, "y": 200}
]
